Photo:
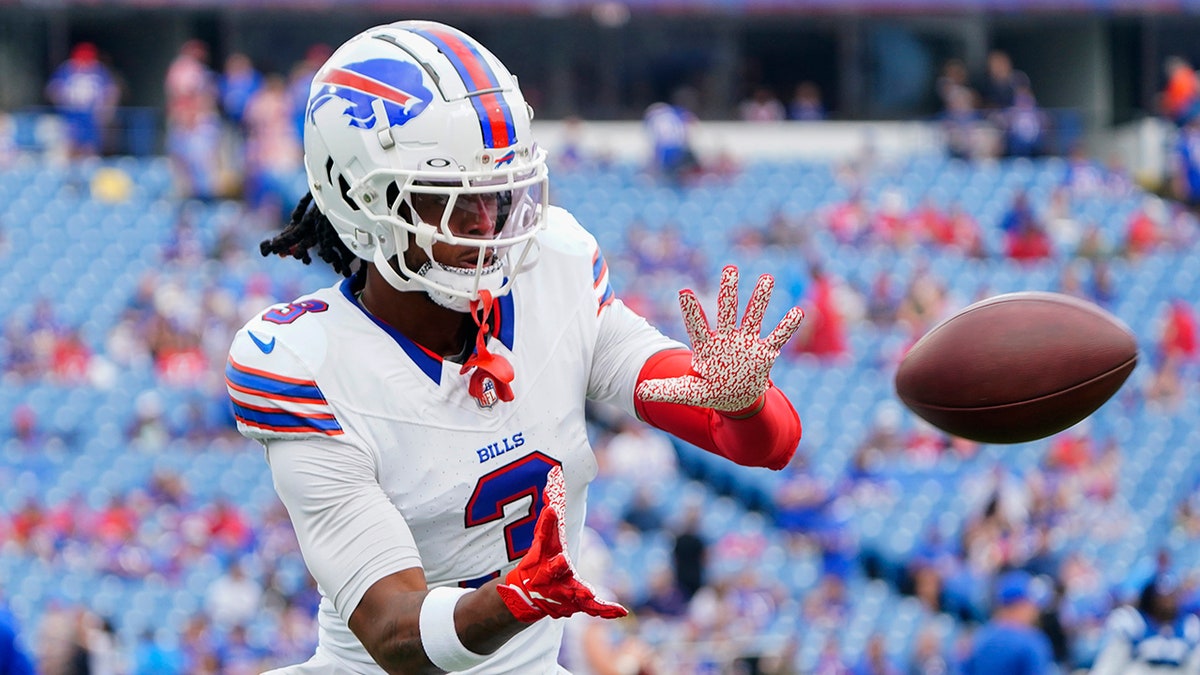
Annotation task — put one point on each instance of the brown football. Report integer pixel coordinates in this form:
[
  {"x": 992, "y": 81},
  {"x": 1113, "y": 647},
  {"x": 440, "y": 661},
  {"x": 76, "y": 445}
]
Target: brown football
[{"x": 1016, "y": 367}]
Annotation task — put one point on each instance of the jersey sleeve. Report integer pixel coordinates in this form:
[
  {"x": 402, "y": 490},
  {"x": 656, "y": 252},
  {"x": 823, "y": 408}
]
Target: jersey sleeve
[
  {"x": 273, "y": 392},
  {"x": 350, "y": 533},
  {"x": 624, "y": 342}
]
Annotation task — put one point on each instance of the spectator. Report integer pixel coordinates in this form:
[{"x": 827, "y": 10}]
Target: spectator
[
  {"x": 1185, "y": 163},
  {"x": 85, "y": 93},
  {"x": 1003, "y": 83},
  {"x": 1145, "y": 229},
  {"x": 669, "y": 127},
  {"x": 71, "y": 358},
  {"x": 954, "y": 87},
  {"x": 1025, "y": 237},
  {"x": 1010, "y": 643},
  {"x": 806, "y": 104},
  {"x": 1072, "y": 450},
  {"x": 1181, "y": 95},
  {"x": 823, "y": 333},
  {"x": 237, "y": 85},
  {"x": 273, "y": 151},
  {"x": 959, "y": 114},
  {"x": 233, "y": 598},
  {"x": 1154, "y": 637},
  {"x": 1177, "y": 338},
  {"x": 193, "y": 122},
  {"x": 964, "y": 234},
  {"x": 1053, "y": 623},
  {"x": 762, "y": 106},
  {"x": 1024, "y": 125},
  {"x": 689, "y": 553},
  {"x": 190, "y": 86}
]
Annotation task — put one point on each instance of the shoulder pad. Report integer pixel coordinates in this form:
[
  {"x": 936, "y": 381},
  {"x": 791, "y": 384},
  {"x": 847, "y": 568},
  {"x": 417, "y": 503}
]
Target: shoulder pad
[
  {"x": 271, "y": 383},
  {"x": 564, "y": 234}
]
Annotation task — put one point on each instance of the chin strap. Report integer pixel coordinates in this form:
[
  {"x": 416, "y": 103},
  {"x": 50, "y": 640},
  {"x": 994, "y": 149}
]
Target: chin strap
[{"x": 488, "y": 366}]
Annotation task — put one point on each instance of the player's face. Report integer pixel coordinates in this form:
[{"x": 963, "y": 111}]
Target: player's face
[{"x": 474, "y": 216}]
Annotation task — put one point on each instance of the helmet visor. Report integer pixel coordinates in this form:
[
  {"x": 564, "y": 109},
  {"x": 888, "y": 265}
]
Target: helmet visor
[{"x": 502, "y": 213}]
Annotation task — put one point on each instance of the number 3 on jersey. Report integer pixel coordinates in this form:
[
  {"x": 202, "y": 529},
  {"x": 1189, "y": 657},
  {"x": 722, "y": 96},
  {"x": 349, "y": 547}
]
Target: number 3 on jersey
[{"x": 523, "y": 478}]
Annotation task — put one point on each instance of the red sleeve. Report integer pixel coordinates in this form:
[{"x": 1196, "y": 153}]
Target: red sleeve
[{"x": 766, "y": 438}]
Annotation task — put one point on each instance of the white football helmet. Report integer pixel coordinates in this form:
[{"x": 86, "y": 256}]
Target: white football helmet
[{"x": 415, "y": 133}]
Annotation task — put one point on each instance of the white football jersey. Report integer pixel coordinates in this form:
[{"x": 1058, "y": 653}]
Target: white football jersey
[{"x": 386, "y": 462}]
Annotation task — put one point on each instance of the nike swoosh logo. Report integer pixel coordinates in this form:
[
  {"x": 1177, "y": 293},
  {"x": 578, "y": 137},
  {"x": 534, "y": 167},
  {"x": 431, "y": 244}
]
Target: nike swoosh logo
[{"x": 266, "y": 347}]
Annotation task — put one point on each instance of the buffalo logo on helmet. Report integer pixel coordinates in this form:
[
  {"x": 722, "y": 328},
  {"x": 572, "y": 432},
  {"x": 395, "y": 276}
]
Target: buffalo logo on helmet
[
  {"x": 397, "y": 84},
  {"x": 506, "y": 158}
]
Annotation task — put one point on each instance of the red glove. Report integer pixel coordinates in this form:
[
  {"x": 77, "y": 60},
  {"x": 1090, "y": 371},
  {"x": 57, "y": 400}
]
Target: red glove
[{"x": 545, "y": 582}]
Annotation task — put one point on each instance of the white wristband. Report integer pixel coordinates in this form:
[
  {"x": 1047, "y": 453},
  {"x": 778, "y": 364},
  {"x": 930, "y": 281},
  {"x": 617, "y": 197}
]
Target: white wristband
[{"x": 438, "y": 635}]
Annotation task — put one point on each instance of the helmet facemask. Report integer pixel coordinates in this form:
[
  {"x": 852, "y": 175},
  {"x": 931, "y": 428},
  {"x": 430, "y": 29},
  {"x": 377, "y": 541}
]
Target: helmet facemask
[{"x": 486, "y": 227}]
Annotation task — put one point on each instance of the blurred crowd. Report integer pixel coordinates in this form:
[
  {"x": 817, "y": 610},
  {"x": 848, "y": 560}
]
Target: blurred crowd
[{"x": 233, "y": 134}]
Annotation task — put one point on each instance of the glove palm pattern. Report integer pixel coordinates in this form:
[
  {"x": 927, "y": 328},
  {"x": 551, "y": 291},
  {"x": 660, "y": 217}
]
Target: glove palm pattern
[{"x": 731, "y": 366}]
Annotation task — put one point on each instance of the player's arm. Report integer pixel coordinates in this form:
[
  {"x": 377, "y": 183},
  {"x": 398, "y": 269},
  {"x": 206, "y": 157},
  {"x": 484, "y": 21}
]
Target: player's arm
[
  {"x": 360, "y": 550},
  {"x": 388, "y": 622},
  {"x": 719, "y": 395}
]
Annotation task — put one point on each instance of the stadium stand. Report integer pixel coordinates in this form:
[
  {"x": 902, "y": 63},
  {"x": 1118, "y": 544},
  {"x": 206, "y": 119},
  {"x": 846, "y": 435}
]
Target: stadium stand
[{"x": 128, "y": 494}]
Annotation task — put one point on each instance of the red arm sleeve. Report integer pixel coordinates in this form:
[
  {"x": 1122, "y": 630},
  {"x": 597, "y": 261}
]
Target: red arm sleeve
[{"x": 767, "y": 438}]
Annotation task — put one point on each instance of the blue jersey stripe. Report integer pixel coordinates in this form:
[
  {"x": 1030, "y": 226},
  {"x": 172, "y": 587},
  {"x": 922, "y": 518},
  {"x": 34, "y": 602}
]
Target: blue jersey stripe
[
  {"x": 283, "y": 420},
  {"x": 507, "y": 319},
  {"x": 597, "y": 267},
  {"x": 271, "y": 388}
]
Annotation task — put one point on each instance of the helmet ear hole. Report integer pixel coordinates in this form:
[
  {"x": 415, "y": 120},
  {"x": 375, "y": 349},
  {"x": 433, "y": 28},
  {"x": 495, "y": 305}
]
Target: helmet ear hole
[
  {"x": 392, "y": 196},
  {"x": 344, "y": 188}
]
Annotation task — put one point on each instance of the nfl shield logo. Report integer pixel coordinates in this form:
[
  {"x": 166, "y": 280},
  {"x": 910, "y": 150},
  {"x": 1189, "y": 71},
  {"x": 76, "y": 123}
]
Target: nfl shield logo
[{"x": 487, "y": 397}]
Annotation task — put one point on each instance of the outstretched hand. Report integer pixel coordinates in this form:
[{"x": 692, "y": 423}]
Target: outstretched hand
[
  {"x": 731, "y": 366},
  {"x": 545, "y": 582}
]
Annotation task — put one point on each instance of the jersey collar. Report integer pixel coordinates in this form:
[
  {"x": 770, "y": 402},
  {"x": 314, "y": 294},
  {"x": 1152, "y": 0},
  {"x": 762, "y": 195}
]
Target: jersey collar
[{"x": 503, "y": 328}]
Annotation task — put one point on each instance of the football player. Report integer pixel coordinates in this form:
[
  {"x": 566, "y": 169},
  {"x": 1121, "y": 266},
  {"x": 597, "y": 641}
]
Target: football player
[{"x": 424, "y": 419}]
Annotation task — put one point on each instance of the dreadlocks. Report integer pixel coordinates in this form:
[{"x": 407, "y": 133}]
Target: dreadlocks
[{"x": 308, "y": 227}]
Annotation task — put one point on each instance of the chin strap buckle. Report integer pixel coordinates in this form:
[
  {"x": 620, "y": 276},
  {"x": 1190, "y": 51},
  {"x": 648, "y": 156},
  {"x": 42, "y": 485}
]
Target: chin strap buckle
[{"x": 493, "y": 374}]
